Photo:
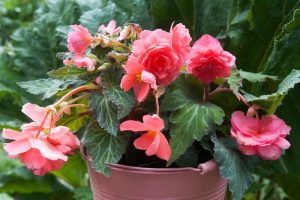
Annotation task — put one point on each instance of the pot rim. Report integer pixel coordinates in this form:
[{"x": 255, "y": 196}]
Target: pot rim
[{"x": 202, "y": 168}]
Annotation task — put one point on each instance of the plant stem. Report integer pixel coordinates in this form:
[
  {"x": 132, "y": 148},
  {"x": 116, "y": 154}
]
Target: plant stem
[
  {"x": 61, "y": 111},
  {"x": 206, "y": 96},
  {"x": 156, "y": 101},
  {"x": 75, "y": 91},
  {"x": 219, "y": 90}
]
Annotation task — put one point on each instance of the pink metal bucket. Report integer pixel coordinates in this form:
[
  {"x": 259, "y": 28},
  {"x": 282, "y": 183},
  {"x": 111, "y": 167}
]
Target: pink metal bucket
[{"x": 136, "y": 183}]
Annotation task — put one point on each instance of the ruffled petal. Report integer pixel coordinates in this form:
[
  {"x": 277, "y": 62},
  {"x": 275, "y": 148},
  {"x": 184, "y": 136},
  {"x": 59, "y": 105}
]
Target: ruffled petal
[
  {"x": 16, "y": 147},
  {"x": 154, "y": 146},
  {"x": 270, "y": 152}
]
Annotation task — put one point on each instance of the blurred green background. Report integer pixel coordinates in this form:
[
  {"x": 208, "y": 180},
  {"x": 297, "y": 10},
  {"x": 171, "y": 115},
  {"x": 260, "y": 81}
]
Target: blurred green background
[{"x": 263, "y": 34}]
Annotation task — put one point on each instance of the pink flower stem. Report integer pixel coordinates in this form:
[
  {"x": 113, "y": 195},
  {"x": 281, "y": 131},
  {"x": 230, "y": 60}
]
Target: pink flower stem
[
  {"x": 42, "y": 124},
  {"x": 156, "y": 101},
  {"x": 61, "y": 111},
  {"x": 75, "y": 91}
]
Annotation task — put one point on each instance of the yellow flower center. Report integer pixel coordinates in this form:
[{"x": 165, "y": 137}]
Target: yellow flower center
[
  {"x": 152, "y": 133},
  {"x": 139, "y": 77}
]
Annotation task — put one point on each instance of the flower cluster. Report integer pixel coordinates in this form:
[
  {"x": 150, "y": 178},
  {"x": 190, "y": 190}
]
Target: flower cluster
[
  {"x": 147, "y": 61},
  {"x": 40, "y": 145}
]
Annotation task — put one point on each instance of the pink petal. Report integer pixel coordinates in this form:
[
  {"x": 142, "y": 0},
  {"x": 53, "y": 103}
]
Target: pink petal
[
  {"x": 84, "y": 61},
  {"x": 62, "y": 135},
  {"x": 154, "y": 146},
  {"x": 247, "y": 150},
  {"x": 132, "y": 67},
  {"x": 154, "y": 122},
  {"x": 246, "y": 125},
  {"x": 111, "y": 27},
  {"x": 132, "y": 125},
  {"x": 143, "y": 142},
  {"x": 47, "y": 150},
  {"x": 209, "y": 42},
  {"x": 16, "y": 147},
  {"x": 141, "y": 91},
  {"x": 33, "y": 159},
  {"x": 148, "y": 77},
  {"x": 282, "y": 143},
  {"x": 37, "y": 113},
  {"x": 13, "y": 135},
  {"x": 127, "y": 82},
  {"x": 164, "y": 150},
  {"x": 270, "y": 152}
]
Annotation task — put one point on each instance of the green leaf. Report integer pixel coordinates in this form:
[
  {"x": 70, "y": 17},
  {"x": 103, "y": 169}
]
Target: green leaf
[
  {"x": 187, "y": 90},
  {"x": 104, "y": 148},
  {"x": 73, "y": 172},
  {"x": 66, "y": 73},
  {"x": 124, "y": 101},
  {"x": 105, "y": 112},
  {"x": 191, "y": 122},
  {"x": 235, "y": 81},
  {"x": 284, "y": 56},
  {"x": 271, "y": 102},
  {"x": 234, "y": 166},
  {"x": 83, "y": 193},
  {"x": 45, "y": 87},
  {"x": 256, "y": 77}
]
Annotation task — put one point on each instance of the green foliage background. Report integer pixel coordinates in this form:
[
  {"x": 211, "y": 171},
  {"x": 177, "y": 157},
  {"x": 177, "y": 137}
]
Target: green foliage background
[{"x": 263, "y": 34}]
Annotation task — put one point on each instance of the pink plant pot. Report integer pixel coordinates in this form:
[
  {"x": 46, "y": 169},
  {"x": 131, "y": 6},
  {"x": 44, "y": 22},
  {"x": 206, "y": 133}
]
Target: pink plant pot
[{"x": 136, "y": 183}]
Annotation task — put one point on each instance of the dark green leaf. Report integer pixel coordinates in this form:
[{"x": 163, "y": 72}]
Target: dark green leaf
[
  {"x": 104, "y": 148},
  {"x": 105, "y": 111},
  {"x": 66, "y": 73},
  {"x": 255, "y": 77},
  {"x": 234, "y": 166},
  {"x": 124, "y": 101},
  {"x": 271, "y": 102},
  {"x": 83, "y": 193},
  {"x": 235, "y": 81},
  {"x": 191, "y": 122},
  {"x": 189, "y": 158}
]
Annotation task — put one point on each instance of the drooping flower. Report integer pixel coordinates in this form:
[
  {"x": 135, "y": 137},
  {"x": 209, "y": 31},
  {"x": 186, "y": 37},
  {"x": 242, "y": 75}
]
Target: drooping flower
[
  {"x": 84, "y": 61},
  {"x": 180, "y": 40},
  {"x": 40, "y": 146},
  {"x": 37, "y": 154},
  {"x": 208, "y": 61},
  {"x": 79, "y": 39},
  {"x": 139, "y": 79},
  {"x": 264, "y": 137},
  {"x": 154, "y": 51},
  {"x": 153, "y": 141},
  {"x": 111, "y": 28}
]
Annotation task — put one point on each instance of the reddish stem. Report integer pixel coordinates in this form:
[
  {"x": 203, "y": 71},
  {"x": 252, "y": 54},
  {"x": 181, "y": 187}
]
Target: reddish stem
[
  {"x": 75, "y": 91},
  {"x": 42, "y": 124},
  {"x": 61, "y": 111},
  {"x": 156, "y": 101}
]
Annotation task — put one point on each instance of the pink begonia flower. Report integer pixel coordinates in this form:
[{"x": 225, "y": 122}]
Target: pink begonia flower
[
  {"x": 264, "y": 137},
  {"x": 111, "y": 28},
  {"x": 155, "y": 52},
  {"x": 153, "y": 141},
  {"x": 208, "y": 61},
  {"x": 67, "y": 62},
  {"x": 84, "y": 61},
  {"x": 139, "y": 79},
  {"x": 64, "y": 139},
  {"x": 79, "y": 39},
  {"x": 37, "y": 154},
  {"x": 39, "y": 147},
  {"x": 180, "y": 40}
]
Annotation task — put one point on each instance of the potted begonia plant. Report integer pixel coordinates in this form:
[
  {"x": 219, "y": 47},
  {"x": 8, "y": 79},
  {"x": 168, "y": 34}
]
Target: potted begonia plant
[{"x": 146, "y": 108}]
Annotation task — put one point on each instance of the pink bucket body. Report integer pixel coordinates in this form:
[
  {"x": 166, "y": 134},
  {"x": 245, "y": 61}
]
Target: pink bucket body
[{"x": 134, "y": 183}]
